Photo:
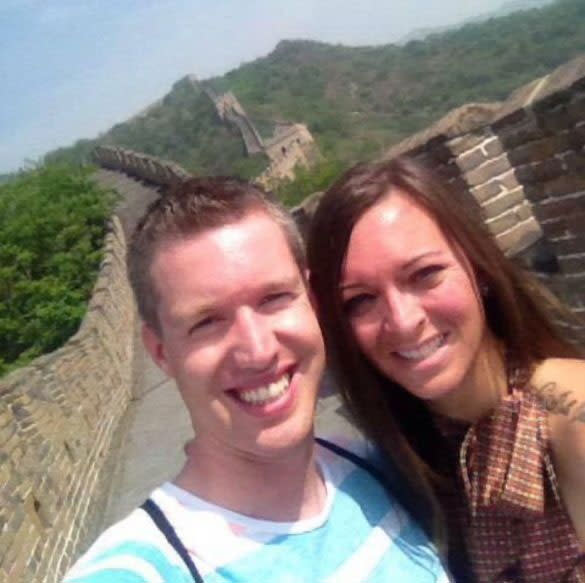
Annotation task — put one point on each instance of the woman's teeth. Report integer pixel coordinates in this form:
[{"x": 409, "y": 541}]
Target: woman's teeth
[
  {"x": 263, "y": 395},
  {"x": 424, "y": 350}
]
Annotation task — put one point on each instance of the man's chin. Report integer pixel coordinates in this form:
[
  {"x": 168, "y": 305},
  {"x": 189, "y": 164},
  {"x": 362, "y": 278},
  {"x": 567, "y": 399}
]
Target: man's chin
[{"x": 273, "y": 443}]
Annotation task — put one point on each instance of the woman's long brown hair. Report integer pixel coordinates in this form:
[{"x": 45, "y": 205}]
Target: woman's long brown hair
[{"x": 520, "y": 313}]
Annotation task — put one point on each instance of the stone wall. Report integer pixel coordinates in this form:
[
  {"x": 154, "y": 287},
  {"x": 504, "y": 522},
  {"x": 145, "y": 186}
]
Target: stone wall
[
  {"x": 229, "y": 108},
  {"x": 292, "y": 145},
  {"x": 142, "y": 166},
  {"x": 465, "y": 149},
  {"x": 542, "y": 128},
  {"x": 57, "y": 421}
]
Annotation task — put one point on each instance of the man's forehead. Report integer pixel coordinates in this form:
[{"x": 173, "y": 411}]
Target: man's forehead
[
  {"x": 231, "y": 265},
  {"x": 256, "y": 241}
]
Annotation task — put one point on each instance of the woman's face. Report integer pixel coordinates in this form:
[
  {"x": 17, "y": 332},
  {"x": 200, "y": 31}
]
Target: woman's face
[{"x": 411, "y": 299}]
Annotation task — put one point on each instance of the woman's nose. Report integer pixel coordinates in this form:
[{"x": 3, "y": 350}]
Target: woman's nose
[{"x": 403, "y": 312}]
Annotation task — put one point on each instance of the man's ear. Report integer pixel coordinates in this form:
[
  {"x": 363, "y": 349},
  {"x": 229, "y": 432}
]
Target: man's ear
[{"x": 155, "y": 347}]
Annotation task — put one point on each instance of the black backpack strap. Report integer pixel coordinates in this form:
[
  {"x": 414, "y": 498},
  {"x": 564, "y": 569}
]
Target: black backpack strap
[
  {"x": 161, "y": 521},
  {"x": 356, "y": 459}
]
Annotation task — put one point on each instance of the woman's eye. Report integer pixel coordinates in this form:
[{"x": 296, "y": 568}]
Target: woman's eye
[
  {"x": 428, "y": 274},
  {"x": 357, "y": 304}
]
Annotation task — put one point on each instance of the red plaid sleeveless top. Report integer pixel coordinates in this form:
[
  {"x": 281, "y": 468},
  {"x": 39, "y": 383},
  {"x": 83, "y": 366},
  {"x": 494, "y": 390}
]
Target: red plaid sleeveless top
[{"x": 507, "y": 503}]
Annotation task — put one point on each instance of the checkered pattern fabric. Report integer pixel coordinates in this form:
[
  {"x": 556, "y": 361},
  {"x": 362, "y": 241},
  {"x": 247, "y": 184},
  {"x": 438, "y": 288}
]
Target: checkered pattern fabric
[{"x": 506, "y": 500}]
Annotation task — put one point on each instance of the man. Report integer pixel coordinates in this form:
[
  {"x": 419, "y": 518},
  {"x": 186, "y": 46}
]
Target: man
[{"x": 219, "y": 275}]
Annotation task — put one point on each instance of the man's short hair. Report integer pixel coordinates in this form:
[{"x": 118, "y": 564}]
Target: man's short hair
[{"x": 194, "y": 206}]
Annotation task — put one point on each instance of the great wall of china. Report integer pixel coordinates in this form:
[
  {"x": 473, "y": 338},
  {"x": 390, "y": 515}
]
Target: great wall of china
[
  {"x": 523, "y": 161},
  {"x": 291, "y": 144}
]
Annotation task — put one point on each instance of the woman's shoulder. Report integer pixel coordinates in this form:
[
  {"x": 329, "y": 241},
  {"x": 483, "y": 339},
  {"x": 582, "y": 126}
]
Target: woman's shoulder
[
  {"x": 559, "y": 384},
  {"x": 564, "y": 367},
  {"x": 558, "y": 377}
]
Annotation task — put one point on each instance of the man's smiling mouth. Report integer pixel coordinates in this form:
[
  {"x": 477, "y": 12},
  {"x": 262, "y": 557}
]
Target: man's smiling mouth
[{"x": 265, "y": 394}]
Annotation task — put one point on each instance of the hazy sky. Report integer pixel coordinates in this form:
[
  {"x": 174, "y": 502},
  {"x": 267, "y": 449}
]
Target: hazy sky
[{"x": 72, "y": 68}]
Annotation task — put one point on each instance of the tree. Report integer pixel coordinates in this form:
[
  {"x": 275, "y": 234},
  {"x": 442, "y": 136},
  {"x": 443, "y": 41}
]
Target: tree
[{"x": 52, "y": 224}]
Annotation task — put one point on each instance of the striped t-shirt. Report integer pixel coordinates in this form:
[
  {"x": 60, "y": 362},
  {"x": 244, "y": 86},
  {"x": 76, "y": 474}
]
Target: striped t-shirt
[{"x": 361, "y": 536}]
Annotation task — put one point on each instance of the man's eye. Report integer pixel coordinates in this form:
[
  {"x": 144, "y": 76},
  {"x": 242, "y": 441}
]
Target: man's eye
[
  {"x": 357, "y": 304},
  {"x": 203, "y": 324},
  {"x": 277, "y": 298}
]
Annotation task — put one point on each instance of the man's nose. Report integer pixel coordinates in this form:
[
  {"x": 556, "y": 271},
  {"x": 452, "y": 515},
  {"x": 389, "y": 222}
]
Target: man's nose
[
  {"x": 255, "y": 345},
  {"x": 403, "y": 312}
]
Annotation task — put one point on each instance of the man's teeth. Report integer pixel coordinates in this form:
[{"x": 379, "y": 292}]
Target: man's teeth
[
  {"x": 424, "y": 350},
  {"x": 263, "y": 395}
]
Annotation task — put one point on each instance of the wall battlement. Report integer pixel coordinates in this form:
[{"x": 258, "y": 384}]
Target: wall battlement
[
  {"x": 142, "y": 166},
  {"x": 229, "y": 109},
  {"x": 524, "y": 162},
  {"x": 57, "y": 420},
  {"x": 292, "y": 143}
]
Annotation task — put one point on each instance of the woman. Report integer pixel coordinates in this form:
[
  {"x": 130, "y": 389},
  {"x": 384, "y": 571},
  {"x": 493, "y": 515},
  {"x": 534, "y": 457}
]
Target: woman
[{"x": 449, "y": 359}]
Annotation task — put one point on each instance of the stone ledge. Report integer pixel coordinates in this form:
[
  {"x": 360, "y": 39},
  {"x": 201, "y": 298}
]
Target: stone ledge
[{"x": 457, "y": 122}]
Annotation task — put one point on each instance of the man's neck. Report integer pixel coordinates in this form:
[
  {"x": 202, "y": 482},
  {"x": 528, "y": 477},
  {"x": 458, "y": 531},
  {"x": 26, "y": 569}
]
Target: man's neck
[{"x": 282, "y": 487}]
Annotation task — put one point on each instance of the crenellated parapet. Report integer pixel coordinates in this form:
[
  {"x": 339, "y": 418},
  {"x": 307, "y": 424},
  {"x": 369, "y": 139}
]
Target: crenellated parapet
[
  {"x": 229, "y": 109},
  {"x": 142, "y": 166},
  {"x": 290, "y": 146},
  {"x": 57, "y": 423}
]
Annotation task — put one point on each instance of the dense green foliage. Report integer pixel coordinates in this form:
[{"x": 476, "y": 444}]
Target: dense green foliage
[
  {"x": 307, "y": 181},
  {"x": 356, "y": 101},
  {"x": 7, "y": 177},
  {"x": 52, "y": 225}
]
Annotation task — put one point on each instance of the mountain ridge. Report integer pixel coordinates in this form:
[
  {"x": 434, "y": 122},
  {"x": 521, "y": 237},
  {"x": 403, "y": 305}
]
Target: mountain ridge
[{"x": 356, "y": 101}]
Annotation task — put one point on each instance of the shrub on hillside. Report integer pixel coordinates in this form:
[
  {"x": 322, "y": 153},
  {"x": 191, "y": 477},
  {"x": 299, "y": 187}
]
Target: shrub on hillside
[
  {"x": 309, "y": 180},
  {"x": 52, "y": 225}
]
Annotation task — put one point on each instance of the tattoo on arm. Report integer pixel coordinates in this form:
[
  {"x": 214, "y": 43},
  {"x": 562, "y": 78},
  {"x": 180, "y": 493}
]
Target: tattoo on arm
[{"x": 560, "y": 403}]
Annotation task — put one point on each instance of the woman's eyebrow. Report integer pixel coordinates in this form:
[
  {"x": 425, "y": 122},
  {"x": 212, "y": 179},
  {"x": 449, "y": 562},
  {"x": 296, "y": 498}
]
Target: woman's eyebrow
[
  {"x": 412, "y": 261},
  {"x": 343, "y": 288},
  {"x": 423, "y": 255}
]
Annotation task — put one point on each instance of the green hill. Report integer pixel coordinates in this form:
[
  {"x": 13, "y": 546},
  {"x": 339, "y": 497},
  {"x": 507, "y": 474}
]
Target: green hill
[
  {"x": 183, "y": 127},
  {"x": 52, "y": 225},
  {"x": 356, "y": 101}
]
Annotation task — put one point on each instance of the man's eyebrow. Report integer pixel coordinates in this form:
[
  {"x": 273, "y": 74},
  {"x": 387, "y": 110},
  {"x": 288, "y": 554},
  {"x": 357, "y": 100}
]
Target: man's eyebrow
[
  {"x": 188, "y": 312},
  {"x": 202, "y": 308},
  {"x": 293, "y": 280}
]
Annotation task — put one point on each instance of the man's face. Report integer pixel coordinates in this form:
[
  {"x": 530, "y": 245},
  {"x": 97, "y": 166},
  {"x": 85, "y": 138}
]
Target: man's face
[{"x": 239, "y": 336}]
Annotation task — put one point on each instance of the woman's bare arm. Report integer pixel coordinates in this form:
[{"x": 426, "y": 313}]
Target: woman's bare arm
[{"x": 560, "y": 383}]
